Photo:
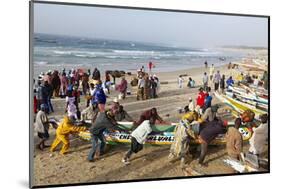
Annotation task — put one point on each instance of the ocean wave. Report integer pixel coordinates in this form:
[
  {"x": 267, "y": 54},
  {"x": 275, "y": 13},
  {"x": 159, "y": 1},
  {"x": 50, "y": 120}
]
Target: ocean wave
[
  {"x": 123, "y": 54},
  {"x": 41, "y": 62},
  {"x": 132, "y": 52}
]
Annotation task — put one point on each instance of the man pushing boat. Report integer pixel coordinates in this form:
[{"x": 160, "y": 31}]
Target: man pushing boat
[{"x": 139, "y": 135}]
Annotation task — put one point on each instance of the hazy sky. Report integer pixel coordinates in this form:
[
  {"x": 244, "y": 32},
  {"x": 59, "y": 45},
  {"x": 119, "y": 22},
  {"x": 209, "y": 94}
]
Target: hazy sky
[{"x": 176, "y": 29}]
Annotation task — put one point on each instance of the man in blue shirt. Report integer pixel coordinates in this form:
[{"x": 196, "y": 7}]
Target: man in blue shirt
[{"x": 229, "y": 82}]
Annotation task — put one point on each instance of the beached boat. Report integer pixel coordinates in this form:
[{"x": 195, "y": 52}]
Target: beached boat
[
  {"x": 156, "y": 128},
  {"x": 248, "y": 94},
  {"x": 260, "y": 91},
  {"x": 159, "y": 139},
  {"x": 252, "y": 66},
  {"x": 238, "y": 105},
  {"x": 249, "y": 101}
]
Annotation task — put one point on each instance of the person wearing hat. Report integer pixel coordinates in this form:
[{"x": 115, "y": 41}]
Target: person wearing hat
[
  {"x": 104, "y": 121},
  {"x": 42, "y": 126},
  {"x": 65, "y": 128},
  {"x": 208, "y": 132},
  {"x": 183, "y": 133},
  {"x": 191, "y": 106},
  {"x": 47, "y": 77}
]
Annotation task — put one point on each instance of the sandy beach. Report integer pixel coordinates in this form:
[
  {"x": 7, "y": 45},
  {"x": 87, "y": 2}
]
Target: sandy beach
[{"x": 152, "y": 162}]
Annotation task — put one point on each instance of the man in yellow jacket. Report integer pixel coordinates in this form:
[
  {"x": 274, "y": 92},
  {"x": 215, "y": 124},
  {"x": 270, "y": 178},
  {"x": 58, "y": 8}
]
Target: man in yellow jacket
[{"x": 65, "y": 128}]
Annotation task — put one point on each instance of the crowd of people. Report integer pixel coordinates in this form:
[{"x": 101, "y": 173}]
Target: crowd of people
[
  {"x": 200, "y": 122},
  {"x": 148, "y": 85}
]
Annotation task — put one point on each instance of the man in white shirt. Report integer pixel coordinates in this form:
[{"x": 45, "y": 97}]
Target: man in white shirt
[
  {"x": 141, "y": 85},
  {"x": 138, "y": 137},
  {"x": 191, "y": 105}
]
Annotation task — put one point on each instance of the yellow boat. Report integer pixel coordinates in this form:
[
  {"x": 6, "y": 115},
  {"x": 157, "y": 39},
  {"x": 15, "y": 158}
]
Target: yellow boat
[{"x": 237, "y": 105}]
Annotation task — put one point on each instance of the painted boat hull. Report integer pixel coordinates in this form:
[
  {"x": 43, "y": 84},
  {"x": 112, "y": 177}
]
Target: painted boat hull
[
  {"x": 238, "y": 106},
  {"x": 166, "y": 139}
]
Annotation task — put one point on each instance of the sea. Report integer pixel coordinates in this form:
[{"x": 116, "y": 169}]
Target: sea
[{"x": 56, "y": 52}]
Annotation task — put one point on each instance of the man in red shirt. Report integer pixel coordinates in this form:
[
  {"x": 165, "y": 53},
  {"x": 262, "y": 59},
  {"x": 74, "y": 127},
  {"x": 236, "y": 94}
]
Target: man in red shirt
[
  {"x": 150, "y": 115},
  {"x": 150, "y": 64},
  {"x": 201, "y": 98}
]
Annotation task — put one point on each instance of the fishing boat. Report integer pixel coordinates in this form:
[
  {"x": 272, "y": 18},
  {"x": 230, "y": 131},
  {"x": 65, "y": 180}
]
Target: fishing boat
[
  {"x": 260, "y": 91},
  {"x": 165, "y": 138},
  {"x": 247, "y": 100},
  {"x": 247, "y": 94},
  {"x": 238, "y": 105}
]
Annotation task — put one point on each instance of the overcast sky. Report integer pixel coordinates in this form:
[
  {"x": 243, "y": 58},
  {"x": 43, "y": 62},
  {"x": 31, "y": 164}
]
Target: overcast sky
[{"x": 171, "y": 28}]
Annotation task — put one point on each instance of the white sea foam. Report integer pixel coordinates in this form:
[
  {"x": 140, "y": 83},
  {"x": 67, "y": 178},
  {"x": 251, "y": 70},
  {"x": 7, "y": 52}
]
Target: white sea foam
[{"x": 41, "y": 62}]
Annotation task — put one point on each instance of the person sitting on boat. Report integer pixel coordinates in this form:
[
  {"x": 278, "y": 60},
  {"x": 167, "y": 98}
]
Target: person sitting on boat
[
  {"x": 65, "y": 128},
  {"x": 104, "y": 121},
  {"x": 234, "y": 140},
  {"x": 209, "y": 131},
  {"x": 122, "y": 115},
  {"x": 210, "y": 114},
  {"x": 229, "y": 82},
  {"x": 258, "y": 141}
]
